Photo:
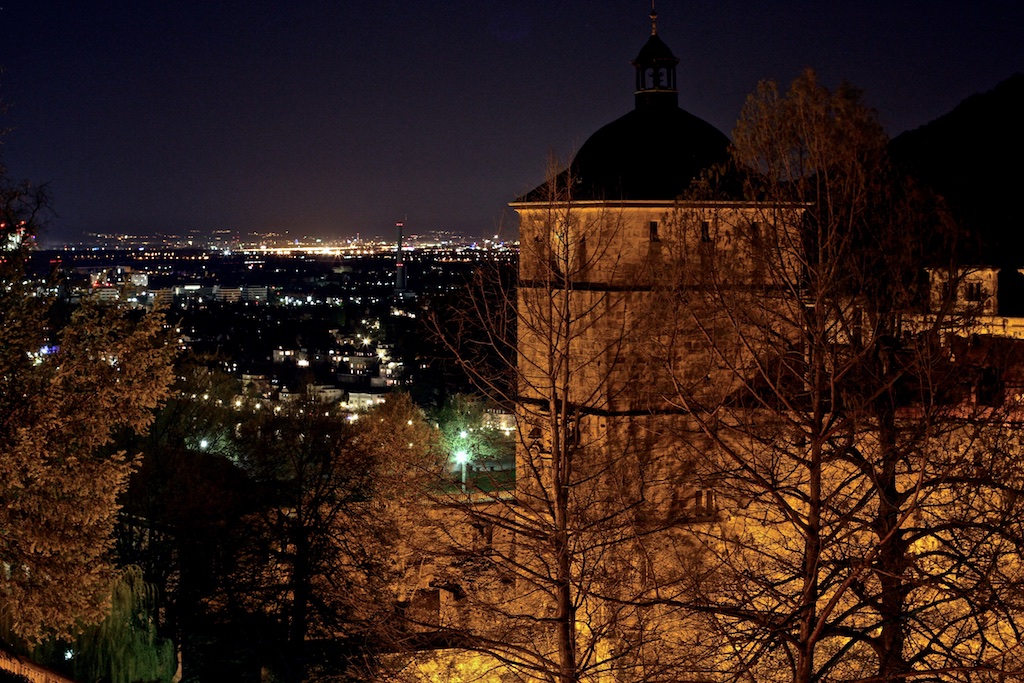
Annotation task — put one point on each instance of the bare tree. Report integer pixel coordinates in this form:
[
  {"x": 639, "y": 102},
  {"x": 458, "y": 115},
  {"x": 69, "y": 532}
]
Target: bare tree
[
  {"x": 873, "y": 526},
  {"x": 544, "y": 578}
]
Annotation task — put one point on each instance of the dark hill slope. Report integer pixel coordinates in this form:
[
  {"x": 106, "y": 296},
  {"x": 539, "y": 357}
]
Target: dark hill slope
[{"x": 974, "y": 157}]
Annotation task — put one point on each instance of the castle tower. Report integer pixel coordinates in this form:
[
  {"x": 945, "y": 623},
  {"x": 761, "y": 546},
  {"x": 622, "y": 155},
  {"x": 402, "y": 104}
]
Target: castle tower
[{"x": 594, "y": 241}]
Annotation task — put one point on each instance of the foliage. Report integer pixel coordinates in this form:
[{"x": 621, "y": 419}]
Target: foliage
[
  {"x": 318, "y": 560},
  {"x": 66, "y": 386},
  {"x": 124, "y": 647},
  {"x": 464, "y": 434},
  {"x": 273, "y": 547},
  {"x": 182, "y": 521}
]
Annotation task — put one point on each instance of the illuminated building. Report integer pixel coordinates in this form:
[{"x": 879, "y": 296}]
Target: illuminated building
[{"x": 599, "y": 239}]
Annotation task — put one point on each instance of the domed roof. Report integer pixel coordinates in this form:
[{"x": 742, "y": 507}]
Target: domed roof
[{"x": 652, "y": 153}]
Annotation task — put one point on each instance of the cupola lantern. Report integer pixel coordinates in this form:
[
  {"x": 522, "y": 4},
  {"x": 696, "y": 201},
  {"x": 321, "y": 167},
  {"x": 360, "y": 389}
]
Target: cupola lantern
[{"x": 656, "y": 72}]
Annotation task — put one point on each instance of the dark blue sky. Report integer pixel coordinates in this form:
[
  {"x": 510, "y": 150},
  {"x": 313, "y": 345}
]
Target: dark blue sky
[{"x": 333, "y": 118}]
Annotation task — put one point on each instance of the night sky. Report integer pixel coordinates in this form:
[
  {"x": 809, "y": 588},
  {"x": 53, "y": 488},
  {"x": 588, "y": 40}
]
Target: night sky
[{"x": 337, "y": 118}]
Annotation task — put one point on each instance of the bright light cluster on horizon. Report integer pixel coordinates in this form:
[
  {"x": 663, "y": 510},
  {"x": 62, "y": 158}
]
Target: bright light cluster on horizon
[{"x": 284, "y": 245}]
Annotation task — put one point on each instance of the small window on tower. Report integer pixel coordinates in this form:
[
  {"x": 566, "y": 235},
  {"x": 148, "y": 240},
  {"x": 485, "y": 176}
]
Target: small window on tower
[
  {"x": 705, "y": 231},
  {"x": 654, "y": 231},
  {"x": 973, "y": 291}
]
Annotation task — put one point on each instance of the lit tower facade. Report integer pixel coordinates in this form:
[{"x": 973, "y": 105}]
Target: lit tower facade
[{"x": 599, "y": 241}]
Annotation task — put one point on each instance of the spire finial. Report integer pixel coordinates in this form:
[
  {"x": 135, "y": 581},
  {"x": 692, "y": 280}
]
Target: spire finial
[{"x": 654, "y": 20}]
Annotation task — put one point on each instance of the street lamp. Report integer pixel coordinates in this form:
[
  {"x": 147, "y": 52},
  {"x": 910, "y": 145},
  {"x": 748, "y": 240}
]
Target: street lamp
[{"x": 462, "y": 458}]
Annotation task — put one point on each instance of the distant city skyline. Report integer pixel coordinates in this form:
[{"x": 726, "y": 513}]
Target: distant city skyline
[
  {"x": 337, "y": 118},
  {"x": 283, "y": 241}
]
